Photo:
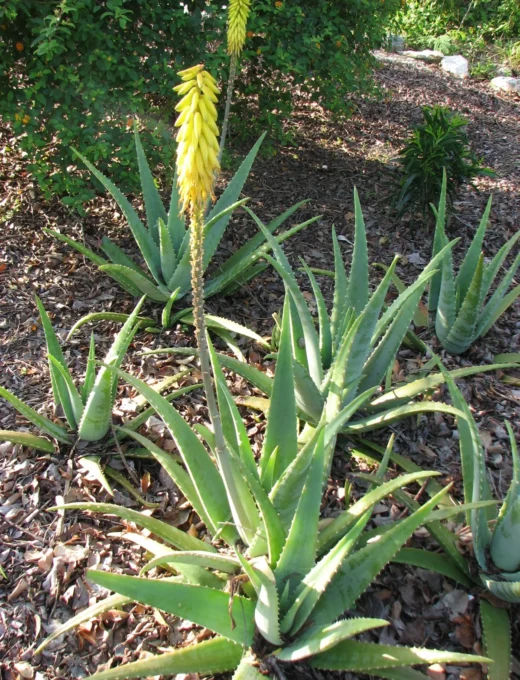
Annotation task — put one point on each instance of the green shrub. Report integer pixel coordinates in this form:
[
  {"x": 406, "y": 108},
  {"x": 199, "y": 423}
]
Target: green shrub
[
  {"x": 76, "y": 72},
  {"x": 422, "y": 20},
  {"x": 439, "y": 145}
]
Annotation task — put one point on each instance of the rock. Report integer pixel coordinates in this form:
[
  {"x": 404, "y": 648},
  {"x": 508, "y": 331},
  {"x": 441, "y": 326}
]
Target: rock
[
  {"x": 504, "y": 70},
  {"x": 429, "y": 56},
  {"x": 456, "y": 65},
  {"x": 506, "y": 84},
  {"x": 395, "y": 43}
]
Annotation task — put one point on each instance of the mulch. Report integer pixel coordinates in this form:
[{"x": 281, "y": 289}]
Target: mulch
[{"x": 44, "y": 556}]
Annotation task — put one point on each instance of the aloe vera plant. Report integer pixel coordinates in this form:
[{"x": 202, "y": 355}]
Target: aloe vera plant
[
  {"x": 268, "y": 580},
  {"x": 164, "y": 242},
  {"x": 87, "y": 408},
  {"x": 496, "y": 540},
  {"x": 462, "y": 313}
]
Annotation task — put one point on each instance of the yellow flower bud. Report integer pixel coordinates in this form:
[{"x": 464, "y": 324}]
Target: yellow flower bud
[
  {"x": 197, "y": 149},
  {"x": 237, "y": 20}
]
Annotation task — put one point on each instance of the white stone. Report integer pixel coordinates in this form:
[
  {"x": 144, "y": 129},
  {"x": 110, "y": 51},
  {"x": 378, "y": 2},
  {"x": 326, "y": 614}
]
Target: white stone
[
  {"x": 429, "y": 56},
  {"x": 506, "y": 84},
  {"x": 456, "y": 65}
]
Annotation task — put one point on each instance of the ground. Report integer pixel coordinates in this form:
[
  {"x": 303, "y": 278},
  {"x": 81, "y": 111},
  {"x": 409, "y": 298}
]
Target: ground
[{"x": 44, "y": 556}]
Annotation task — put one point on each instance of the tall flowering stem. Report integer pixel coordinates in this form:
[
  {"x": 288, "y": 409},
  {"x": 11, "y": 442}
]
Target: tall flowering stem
[
  {"x": 197, "y": 166},
  {"x": 238, "y": 14}
]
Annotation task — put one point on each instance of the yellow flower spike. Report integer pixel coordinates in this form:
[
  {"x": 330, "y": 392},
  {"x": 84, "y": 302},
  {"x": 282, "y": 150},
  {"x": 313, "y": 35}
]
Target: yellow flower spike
[
  {"x": 197, "y": 162},
  {"x": 237, "y": 20}
]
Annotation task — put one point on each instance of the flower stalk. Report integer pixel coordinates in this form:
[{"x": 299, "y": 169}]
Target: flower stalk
[
  {"x": 238, "y": 14},
  {"x": 197, "y": 166}
]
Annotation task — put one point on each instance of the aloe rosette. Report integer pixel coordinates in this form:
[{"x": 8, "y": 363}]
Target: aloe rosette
[
  {"x": 88, "y": 407},
  {"x": 267, "y": 578},
  {"x": 463, "y": 307},
  {"x": 164, "y": 240}
]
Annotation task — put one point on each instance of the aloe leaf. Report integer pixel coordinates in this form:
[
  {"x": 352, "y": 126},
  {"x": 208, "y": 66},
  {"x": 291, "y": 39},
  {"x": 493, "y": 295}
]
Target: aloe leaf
[
  {"x": 318, "y": 579},
  {"x": 476, "y": 486},
  {"x": 282, "y": 424},
  {"x": 71, "y": 396},
  {"x": 176, "y": 224},
  {"x": 204, "y": 475},
  {"x": 79, "y": 247},
  {"x": 323, "y": 638},
  {"x": 111, "y": 602},
  {"x": 200, "y": 558},
  {"x": 439, "y": 241},
  {"x": 375, "y": 421},
  {"x": 357, "y": 291},
  {"x": 446, "y": 308},
  {"x": 27, "y": 439},
  {"x": 346, "y": 520},
  {"x": 118, "y": 256},
  {"x": 97, "y": 414},
  {"x": 489, "y": 313},
  {"x": 140, "y": 282},
  {"x": 90, "y": 372},
  {"x": 340, "y": 303},
  {"x": 220, "y": 322},
  {"x": 92, "y": 465},
  {"x": 493, "y": 267},
  {"x": 282, "y": 266},
  {"x": 182, "y": 275},
  {"x": 496, "y": 632},
  {"x": 437, "y": 562},
  {"x": 504, "y": 547},
  {"x": 165, "y": 316},
  {"x": 231, "y": 617},
  {"x": 298, "y": 557},
  {"x": 210, "y": 657},
  {"x": 404, "y": 393},
  {"x": 60, "y": 380},
  {"x": 267, "y": 606},
  {"x": 147, "y": 245},
  {"x": 153, "y": 205},
  {"x": 124, "y": 282},
  {"x": 167, "y": 252},
  {"x": 257, "y": 240},
  {"x": 309, "y": 400},
  {"x": 179, "y": 539},
  {"x": 471, "y": 259},
  {"x": 141, "y": 321},
  {"x": 351, "y": 655},
  {"x": 360, "y": 568},
  {"x": 41, "y": 422},
  {"x": 247, "y": 670},
  {"x": 384, "y": 354},
  {"x": 462, "y": 332},
  {"x": 232, "y": 424},
  {"x": 325, "y": 335},
  {"x": 508, "y": 591},
  {"x": 228, "y": 197},
  {"x": 496, "y": 311},
  {"x": 241, "y": 270},
  {"x": 180, "y": 477},
  {"x": 273, "y": 529}
]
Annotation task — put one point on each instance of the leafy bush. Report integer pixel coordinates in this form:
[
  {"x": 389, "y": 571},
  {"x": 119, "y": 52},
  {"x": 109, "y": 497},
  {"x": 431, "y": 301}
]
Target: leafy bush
[
  {"x": 77, "y": 72},
  {"x": 439, "y": 145},
  {"x": 421, "y": 21},
  {"x": 459, "y": 302}
]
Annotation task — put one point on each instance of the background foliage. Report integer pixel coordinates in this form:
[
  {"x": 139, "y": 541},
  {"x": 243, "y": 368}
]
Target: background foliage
[{"x": 76, "y": 72}]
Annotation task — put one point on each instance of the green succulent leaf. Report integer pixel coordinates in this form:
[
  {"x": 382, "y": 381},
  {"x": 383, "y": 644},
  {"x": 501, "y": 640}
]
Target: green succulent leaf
[
  {"x": 357, "y": 291},
  {"x": 232, "y": 617},
  {"x": 41, "y": 422},
  {"x": 152, "y": 201},
  {"x": 27, "y": 439},
  {"x": 437, "y": 562},
  {"x": 496, "y": 631}
]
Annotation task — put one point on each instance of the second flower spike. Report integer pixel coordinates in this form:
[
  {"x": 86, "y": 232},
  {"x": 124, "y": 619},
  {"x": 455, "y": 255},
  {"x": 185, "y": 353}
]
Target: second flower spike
[{"x": 197, "y": 150}]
